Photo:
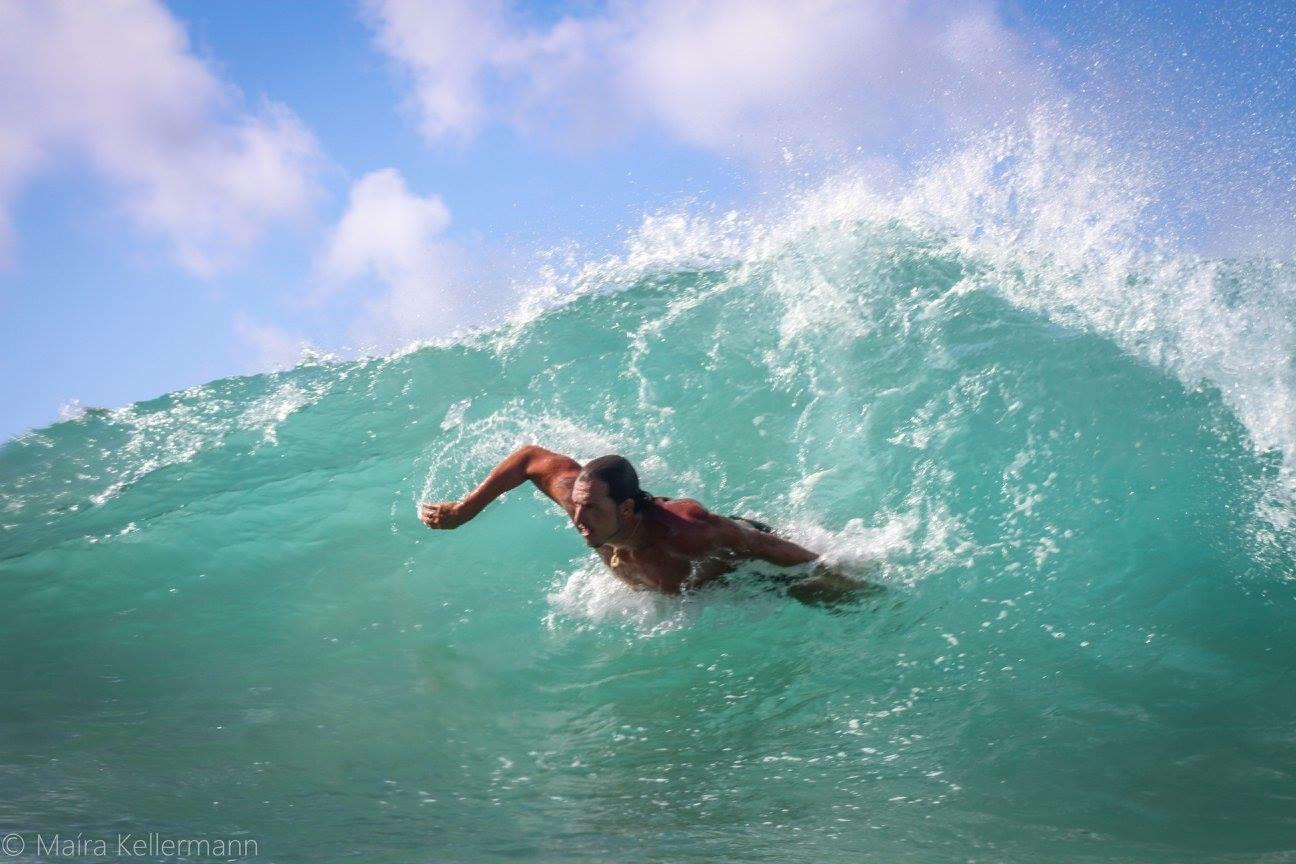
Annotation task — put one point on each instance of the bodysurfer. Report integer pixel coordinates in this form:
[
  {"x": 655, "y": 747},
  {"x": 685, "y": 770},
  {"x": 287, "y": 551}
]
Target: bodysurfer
[{"x": 654, "y": 543}]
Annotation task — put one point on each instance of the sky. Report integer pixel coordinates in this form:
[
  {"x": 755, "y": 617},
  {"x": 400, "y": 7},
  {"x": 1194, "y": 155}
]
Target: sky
[{"x": 191, "y": 190}]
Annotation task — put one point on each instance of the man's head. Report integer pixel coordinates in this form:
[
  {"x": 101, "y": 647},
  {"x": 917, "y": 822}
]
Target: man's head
[{"x": 605, "y": 495}]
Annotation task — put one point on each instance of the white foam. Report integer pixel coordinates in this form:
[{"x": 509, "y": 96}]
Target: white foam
[
  {"x": 197, "y": 419},
  {"x": 589, "y": 596},
  {"x": 71, "y": 410}
]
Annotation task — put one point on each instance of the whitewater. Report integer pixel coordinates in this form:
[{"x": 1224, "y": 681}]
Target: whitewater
[{"x": 1060, "y": 439}]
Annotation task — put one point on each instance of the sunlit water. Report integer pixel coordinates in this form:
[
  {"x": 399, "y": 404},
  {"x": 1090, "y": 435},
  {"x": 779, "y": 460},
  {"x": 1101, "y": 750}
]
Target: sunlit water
[{"x": 1063, "y": 449}]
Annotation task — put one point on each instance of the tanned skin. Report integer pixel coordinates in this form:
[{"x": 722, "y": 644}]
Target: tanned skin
[{"x": 668, "y": 546}]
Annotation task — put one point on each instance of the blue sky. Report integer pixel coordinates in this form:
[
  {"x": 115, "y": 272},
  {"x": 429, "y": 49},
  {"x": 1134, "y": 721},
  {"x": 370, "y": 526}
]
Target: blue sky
[{"x": 192, "y": 190}]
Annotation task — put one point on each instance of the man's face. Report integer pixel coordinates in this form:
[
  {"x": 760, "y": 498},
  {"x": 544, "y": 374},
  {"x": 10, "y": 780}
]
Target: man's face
[{"x": 595, "y": 516}]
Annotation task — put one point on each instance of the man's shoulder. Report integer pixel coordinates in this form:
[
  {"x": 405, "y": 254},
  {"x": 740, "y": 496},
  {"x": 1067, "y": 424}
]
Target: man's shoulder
[
  {"x": 695, "y": 529},
  {"x": 687, "y": 508}
]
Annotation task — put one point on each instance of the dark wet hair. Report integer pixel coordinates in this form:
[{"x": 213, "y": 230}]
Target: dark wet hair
[{"x": 621, "y": 479}]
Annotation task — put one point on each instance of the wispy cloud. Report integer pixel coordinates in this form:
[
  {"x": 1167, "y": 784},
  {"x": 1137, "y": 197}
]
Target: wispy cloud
[
  {"x": 271, "y": 347},
  {"x": 117, "y": 85},
  {"x": 750, "y": 77},
  {"x": 391, "y": 236}
]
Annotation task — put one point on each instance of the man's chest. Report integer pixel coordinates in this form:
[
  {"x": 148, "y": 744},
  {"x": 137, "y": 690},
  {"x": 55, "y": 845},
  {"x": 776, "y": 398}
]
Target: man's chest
[{"x": 649, "y": 568}]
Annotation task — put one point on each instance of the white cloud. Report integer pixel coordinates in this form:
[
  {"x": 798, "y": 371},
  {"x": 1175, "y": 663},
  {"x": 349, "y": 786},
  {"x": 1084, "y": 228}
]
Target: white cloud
[
  {"x": 114, "y": 83},
  {"x": 391, "y": 235},
  {"x": 733, "y": 76},
  {"x": 445, "y": 46},
  {"x": 272, "y": 347}
]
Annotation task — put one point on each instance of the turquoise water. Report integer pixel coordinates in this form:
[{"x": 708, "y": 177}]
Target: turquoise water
[{"x": 1064, "y": 449}]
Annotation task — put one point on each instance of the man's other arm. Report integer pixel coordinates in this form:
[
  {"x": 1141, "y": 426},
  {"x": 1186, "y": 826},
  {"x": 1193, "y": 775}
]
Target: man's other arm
[
  {"x": 551, "y": 472},
  {"x": 823, "y": 586},
  {"x": 738, "y": 541}
]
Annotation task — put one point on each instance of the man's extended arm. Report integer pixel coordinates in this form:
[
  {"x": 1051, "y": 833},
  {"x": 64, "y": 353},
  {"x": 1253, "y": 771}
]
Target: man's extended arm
[
  {"x": 748, "y": 544},
  {"x": 824, "y": 585},
  {"x": 551, "y": 472}
]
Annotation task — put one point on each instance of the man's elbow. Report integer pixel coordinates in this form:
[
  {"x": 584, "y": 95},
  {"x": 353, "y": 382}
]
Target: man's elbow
[{"x": 524, "y": 457}]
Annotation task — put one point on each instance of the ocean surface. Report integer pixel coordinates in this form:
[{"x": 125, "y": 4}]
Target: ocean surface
[{"x": 1062, "y": 442}]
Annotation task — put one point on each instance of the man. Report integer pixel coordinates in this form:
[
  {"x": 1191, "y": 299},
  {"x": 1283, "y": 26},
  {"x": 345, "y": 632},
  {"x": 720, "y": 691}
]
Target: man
[{"x": 661, "y": 544}]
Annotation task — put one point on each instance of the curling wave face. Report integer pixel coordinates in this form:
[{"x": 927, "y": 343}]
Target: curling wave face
[{"x": 1064, "y": 447}]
